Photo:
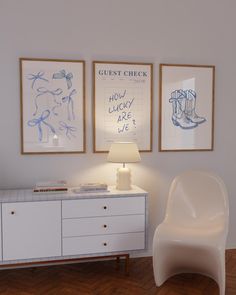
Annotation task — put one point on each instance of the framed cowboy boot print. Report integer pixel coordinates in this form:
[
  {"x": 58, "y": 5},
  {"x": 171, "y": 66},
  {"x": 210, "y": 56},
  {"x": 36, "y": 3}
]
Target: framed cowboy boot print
[{"x": 186, "y": 107}]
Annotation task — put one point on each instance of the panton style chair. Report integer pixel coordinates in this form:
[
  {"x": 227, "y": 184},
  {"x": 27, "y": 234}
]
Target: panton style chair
[{"x": 193, "y": 234}]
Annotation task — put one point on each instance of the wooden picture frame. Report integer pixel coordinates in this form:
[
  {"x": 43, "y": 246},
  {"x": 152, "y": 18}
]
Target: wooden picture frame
[
  {"x": 122, "y": 104},
  {"x": 186, "y": 107},
  {"x": 52, "y": 93}
]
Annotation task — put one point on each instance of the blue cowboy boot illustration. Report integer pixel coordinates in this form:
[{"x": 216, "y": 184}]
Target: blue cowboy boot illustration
[
  {"x": 179, "y": 118},
  {"x": 190, "y": 108}
]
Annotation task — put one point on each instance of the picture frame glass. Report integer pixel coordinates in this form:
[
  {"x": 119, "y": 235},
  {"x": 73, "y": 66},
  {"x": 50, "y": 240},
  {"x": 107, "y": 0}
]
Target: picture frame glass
[
  {"x": 52, "y": 106},
  {"x": 122, "y": 104},
  {"x": 186, "y": 107}
]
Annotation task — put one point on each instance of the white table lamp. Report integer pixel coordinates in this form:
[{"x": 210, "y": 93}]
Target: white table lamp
[{"x": 123, "y": 152}]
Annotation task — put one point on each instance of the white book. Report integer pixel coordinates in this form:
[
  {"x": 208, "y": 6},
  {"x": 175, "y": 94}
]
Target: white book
[
  {"x": 54, "y": 183},
  {"x": 93, "y": 186},
  {"x": 82, "y": 191}
]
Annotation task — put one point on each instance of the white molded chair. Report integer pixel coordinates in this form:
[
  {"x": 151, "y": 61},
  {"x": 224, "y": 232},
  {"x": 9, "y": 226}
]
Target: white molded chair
[{"x": 193, "y": 234}]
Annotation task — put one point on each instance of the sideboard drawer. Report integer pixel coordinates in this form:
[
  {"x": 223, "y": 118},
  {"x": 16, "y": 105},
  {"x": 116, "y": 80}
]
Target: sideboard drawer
[
  {"x": 103, "y": 243},
  {"x": 103, "y": 225},
  {"x": 103, "y": 207}
]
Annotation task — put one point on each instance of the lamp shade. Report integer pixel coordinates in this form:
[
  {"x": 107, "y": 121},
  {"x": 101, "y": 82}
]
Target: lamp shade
[{"x": 123, "y": 152}]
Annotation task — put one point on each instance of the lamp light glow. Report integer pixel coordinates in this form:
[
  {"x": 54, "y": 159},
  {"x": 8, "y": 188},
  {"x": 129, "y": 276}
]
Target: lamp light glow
[{"x": 123, "y": 152}]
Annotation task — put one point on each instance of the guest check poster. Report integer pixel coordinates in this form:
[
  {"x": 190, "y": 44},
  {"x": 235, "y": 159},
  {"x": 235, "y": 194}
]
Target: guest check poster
[{"x": 122, "y": 104}]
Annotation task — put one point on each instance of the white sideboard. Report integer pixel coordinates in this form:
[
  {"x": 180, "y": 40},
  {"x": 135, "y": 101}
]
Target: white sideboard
[
  {"x": 39, "y": 228},
  {"x": 1, "y": 235}
]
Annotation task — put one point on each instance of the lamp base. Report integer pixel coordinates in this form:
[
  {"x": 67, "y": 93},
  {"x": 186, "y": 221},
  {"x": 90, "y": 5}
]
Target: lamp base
[{"x": 123, "y": 180}]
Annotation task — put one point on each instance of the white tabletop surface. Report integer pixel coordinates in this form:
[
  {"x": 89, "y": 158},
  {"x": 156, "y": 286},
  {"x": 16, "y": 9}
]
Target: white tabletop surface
[{"x": 26, "y": 195}]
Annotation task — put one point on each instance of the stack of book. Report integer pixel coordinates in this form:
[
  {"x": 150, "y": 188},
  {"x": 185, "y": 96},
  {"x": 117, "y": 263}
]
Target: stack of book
[
  {"x": 59, "y": 186},
  {"x": 91, "y": 187}
]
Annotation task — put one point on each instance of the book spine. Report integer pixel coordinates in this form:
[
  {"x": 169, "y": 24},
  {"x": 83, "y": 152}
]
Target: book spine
[{"x": 43, "y": 190}]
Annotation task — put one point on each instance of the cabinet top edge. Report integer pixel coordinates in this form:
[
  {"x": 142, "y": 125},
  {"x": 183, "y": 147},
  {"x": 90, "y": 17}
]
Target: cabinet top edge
[{"x": 27, "y": 195}]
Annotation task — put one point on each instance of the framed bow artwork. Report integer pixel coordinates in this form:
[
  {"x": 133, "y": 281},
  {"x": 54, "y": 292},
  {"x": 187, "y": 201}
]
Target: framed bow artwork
[{"x": 52, "y": 106}]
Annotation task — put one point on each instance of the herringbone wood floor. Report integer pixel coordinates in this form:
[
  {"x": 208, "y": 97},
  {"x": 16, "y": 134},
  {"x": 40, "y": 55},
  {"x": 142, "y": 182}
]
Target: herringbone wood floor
[{"x": 102, "y": 278}]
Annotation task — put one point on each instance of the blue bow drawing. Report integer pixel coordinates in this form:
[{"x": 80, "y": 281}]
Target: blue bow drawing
[
  {"x": 62, "y": 75},
  {"x": 39, "y": 121},
  {"x": 35, "y": 77},
  {"x": 68, "y": 129},
  {"x": 43, "y": 91},
  {"x": 70, "y": 104}
]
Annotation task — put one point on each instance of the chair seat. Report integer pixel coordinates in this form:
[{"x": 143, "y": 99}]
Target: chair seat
[{"x": 197, "y": 233}]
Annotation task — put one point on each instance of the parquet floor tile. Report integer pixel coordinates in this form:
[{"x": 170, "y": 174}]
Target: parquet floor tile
[{"x": 102, "y": 278}]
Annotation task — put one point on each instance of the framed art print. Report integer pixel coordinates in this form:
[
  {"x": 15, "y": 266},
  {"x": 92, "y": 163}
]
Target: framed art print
[
  {"x": 186, "y": 107},
  {"x": 122, "y": 105},
  {"x": 52, "y": 106}
]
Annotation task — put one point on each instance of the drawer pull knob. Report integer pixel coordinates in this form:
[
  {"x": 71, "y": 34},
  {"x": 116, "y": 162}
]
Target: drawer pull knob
[
  {"x": 104, "y": 244},
  {"x": 104, "y": 225},
  {"x": 12, "y": 212},
  {"x": 104, "y": 207}
]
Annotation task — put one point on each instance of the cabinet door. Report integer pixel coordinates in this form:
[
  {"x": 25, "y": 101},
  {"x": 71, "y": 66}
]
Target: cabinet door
[{"x": 31, "y": 230}]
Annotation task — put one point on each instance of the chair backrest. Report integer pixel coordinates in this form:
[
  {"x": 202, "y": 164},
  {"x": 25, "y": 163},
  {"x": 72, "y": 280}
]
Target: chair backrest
[{"x": 197, "y": 196}]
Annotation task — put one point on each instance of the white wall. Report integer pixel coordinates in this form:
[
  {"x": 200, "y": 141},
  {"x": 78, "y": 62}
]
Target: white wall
[{"x": 157, "y": 31}]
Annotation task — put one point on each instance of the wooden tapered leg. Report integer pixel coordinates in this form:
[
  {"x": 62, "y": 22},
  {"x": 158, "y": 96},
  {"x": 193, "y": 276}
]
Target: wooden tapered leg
[
  {"x": 127, "y": 264},
  {"x": 118, "y": 262}
]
